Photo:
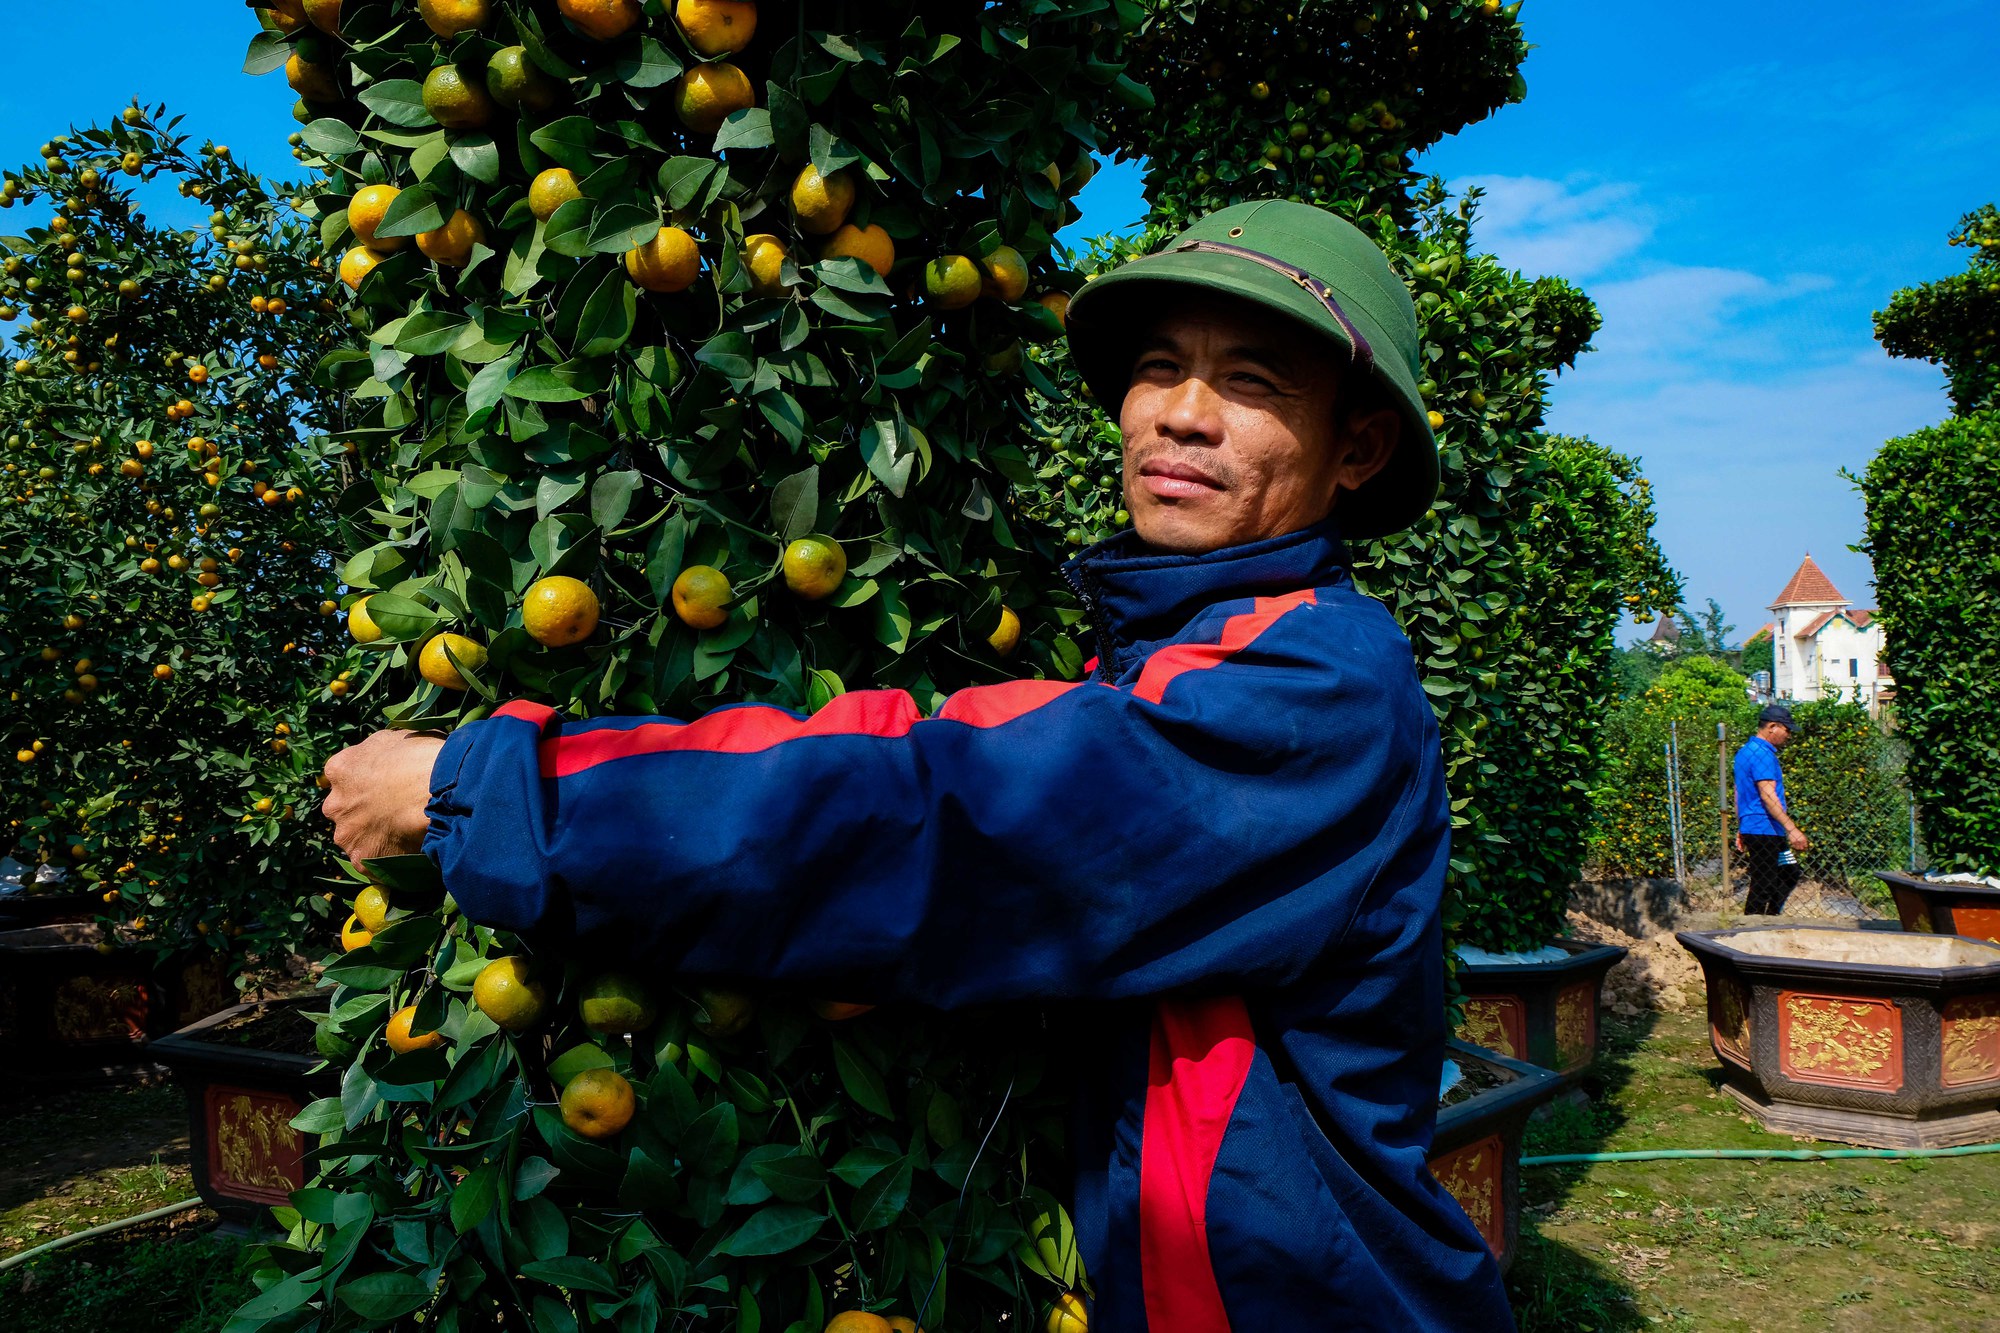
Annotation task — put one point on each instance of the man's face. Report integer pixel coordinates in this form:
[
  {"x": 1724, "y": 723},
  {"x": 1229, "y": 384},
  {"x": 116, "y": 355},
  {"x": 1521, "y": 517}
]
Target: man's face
[
  {"x": 1231, "y": 433},
  {"x": 1777, "y": 733}
]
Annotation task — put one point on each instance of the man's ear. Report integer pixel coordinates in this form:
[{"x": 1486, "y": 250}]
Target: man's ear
[{"x": 1367, "y": 440}]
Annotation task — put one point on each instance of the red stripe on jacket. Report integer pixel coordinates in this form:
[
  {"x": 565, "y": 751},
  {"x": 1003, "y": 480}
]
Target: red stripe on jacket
[
  {"x": 756, "y": 727},
  {"x": 1238, "y": 632},
  {"x": 752, "y": 728},
  {"x": 1200, "y": 1059}
]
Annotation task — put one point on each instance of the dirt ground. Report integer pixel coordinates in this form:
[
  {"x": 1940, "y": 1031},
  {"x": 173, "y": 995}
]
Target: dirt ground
[
  {"x": 72, "y": 1158},
  {"x": 1732, "y": 1246}
]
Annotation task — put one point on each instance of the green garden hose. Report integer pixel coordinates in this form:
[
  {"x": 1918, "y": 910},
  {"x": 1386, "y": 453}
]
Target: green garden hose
[
  {"x": 105, "y": 1229},
  {"x": 1754, "y": 1154}
]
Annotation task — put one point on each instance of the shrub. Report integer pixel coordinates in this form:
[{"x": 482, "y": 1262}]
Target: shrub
[
  {"x": 1631, "y": 833},
  {"x": 1933, "y": 533}
]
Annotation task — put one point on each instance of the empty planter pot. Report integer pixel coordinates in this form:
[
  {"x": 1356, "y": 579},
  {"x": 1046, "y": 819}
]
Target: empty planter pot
[
  {"x": 1944, "y": 909},
  {"x": 1861, "y": 1036},
  {"x": 1476, "y": 1151},
  {"x": 1543, "y": 1012}
]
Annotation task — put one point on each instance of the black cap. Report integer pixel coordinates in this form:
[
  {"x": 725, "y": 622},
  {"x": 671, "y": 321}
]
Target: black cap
[{"x": 1777, "y": 713}]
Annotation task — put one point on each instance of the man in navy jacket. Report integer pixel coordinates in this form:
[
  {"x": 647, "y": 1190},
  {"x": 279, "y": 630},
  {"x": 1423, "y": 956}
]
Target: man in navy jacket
[{"x": 1231, "y": 838}]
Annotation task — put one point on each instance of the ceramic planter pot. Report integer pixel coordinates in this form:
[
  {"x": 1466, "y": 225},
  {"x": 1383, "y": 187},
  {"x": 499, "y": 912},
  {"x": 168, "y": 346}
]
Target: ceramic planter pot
[
  {"x": 59, "y": 993},
  {"x": 241, "y": 1098},
  {"x": 1945, "y": 909},
  {"x": 1476, "y": 1152},
  {"x": 19, "y": 911},
  {"x": 1875, "y": 1037},
  {"x": 63, "y": 995},
  {"x": 1541, "y": 1013}
]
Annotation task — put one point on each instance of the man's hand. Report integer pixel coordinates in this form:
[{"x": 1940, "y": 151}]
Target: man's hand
[
  {"x": 376, "y": 794},
  {"x": 1797, "y": 839}
]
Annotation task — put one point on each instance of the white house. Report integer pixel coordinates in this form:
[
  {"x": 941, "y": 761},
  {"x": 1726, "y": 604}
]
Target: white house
[{"x": 1822, "y": 648}]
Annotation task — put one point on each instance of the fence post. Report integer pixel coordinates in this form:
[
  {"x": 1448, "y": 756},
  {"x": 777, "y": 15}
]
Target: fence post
[
  {"x": 1672, "y": 747},
  {"x": 1912, "y": 798},
  {"x": 1722, "y": 794}
]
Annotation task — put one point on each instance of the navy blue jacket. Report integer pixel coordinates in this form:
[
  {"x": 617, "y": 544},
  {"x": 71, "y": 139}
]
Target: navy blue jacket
[{"x": 1233, "y": 836}]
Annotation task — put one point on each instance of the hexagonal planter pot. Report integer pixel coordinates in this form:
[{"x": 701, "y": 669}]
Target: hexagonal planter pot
[
  {"x": 246, "y": 1072},
  {"x": 1476, "y": 1151},
  {"x": 62, "y": 996},
  {"x": 1945, "y": 909},
  {"x": 1541, "y": 1013},
  {"x": 1874, "y": 1037}
]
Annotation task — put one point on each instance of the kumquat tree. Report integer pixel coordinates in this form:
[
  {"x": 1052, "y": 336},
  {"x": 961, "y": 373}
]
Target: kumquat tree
[
  {"x": 167, "y": 615},
  {"x": 689, "y": 377}
]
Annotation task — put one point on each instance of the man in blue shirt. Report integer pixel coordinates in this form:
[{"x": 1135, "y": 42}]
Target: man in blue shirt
[{"x": 1769, "y": 839}]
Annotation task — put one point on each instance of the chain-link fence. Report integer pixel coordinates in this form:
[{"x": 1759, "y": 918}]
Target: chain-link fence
[{"x": 1844, "y": 787}]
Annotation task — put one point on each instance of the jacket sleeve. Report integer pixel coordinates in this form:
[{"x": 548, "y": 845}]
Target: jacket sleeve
[{"x": 1216, "y": 819}]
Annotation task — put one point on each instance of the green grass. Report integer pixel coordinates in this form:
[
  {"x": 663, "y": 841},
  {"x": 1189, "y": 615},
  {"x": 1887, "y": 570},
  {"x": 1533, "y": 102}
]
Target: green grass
[
  {"x": 71, "y": 1159},
  {"x": 1739, "y": 1247},
  {"x": 154, "y": 1284}
]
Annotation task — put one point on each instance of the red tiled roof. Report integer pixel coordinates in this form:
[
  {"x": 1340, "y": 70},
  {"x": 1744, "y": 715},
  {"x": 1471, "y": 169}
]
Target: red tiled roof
[
  {"x": 1665, "y": 631},
  {"x": 1763, "y": 632},
  {"x": 1861, "y": 618},
  {"x": 1810, "y": 584}
]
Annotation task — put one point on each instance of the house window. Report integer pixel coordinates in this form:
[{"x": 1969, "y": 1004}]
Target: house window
[
  {"x": 1781, "y": 652},
  {"x": 1853, "y": 668}
]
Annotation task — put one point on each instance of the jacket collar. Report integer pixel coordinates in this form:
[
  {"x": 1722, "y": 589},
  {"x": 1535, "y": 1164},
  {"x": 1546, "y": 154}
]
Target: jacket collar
[{"x": 1134, "y": 594}]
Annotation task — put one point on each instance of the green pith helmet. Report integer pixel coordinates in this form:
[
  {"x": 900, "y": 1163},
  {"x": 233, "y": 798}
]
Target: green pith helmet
[{"x": 1304, "y": 265}]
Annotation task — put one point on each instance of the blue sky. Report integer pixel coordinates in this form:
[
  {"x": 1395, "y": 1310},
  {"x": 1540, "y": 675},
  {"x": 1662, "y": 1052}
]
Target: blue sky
[{"x": 1738, "y": 186}]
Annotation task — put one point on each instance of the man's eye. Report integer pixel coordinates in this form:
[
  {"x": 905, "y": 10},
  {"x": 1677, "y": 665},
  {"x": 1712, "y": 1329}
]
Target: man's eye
[
  {"x": 1257, "y": 381},
  {"x": 1155, "y": 363}
]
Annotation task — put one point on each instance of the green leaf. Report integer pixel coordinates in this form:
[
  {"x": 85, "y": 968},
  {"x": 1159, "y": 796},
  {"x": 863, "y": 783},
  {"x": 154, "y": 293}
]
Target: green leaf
[
  {"x": 413, "y": 210},
  {"x": 572, "y": 1272},
  {"x": 398, "y": 101},
  {"x": 792, "y": 1174},
  {"x": 730, "y": 355},
  {"x": 565, "y": 383},
  {"x": 617, "y": 228},
  {"x": 567, "y": 232},
  {"x": 892, "y": 619},
  {"x": 532, "y": 1176},
  {"x": 608, "y": 317},
  {"x": 384, "y": 1296},
  {"x": 688, "y": 182},
  {"x": 319, "y": 1117},
  {"x": 477, "y": 155},
  {"x": 708, "y": 1146},
  {"x": 795, "y": 504},
  {"x": 830, "y": 152},
  {"x": 887, "y": 453},
  {"x": 429, "y": 332},
  {"x": 569, "y": 141},
  {"x": 748, "y": 128},
  {"x": 401, "y": 619},
  {"x": 648, "y": 66},
  {"x": 575, "y": 1060},
  {"x": 881, "y": 1201},
  {"x": 268, "y": 51},
  {"x": 861, "y": 1079},
  {"x": 330, "y": 138},
  {"x": 774, "y": 1230},
  {"x": 611, "y": 497},
  {"x": 475, "y": 1198}
]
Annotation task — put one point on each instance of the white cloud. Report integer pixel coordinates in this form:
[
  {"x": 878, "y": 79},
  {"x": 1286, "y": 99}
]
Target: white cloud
[
  {"x": 1577, "y": 228},
  {"x": 1744, "y": 393}
]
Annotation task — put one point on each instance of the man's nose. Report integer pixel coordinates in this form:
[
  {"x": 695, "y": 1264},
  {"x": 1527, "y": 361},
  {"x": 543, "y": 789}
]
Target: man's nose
[{"x": 1189, "y": 411}]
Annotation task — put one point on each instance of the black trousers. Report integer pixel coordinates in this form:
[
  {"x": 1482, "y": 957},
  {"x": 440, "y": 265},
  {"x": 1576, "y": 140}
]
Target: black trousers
[{"x": 1770, "y": 882}]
